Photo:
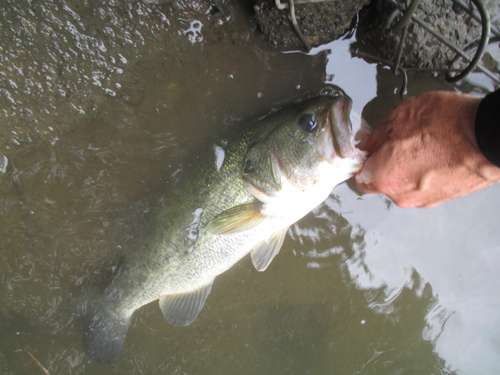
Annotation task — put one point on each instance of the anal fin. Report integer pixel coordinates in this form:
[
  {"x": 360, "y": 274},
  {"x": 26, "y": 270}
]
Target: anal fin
[
  {"x": 263, "y": 254},
  {"x": 182, "y": 309}
]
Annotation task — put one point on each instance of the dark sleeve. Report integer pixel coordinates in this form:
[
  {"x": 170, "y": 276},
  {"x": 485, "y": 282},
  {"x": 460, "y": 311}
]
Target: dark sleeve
[{"x": 488, "y": 127}]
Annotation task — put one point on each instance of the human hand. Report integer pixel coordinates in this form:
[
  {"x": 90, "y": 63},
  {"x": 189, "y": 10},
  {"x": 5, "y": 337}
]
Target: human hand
[{"x": 425, "y": 152}]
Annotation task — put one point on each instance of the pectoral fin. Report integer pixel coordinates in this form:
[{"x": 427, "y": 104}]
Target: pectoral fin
[
  {"x": 265, "y": 251},
  {"x": 182, "y": 309},
  {"x": 237, "y": 219}
]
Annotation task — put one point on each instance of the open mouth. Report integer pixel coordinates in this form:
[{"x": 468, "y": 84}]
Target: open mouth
[
  {"x": 327, "y": 146},
  {"x": 341, "y": 126}
]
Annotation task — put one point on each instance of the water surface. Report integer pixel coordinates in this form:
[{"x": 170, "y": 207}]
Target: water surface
[{"x": 103, "y": 103}]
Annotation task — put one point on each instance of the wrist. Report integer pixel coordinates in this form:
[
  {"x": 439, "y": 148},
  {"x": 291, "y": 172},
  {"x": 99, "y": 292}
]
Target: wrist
[
  {"x": 487, "y": 127},
  {"x": 466, "y": 114}
]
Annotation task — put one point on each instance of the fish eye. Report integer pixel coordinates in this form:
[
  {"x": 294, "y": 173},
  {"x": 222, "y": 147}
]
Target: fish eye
[{"x": 308, "y": 122}]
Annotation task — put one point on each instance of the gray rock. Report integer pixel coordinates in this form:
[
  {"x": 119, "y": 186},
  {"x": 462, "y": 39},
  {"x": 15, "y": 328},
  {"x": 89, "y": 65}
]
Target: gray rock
[
  {"x": 421, "y": 50},
  {"x": 319, "y": 22}
]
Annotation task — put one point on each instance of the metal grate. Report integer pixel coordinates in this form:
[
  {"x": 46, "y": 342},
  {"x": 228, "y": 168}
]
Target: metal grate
[{"x": 479, "y": 14}]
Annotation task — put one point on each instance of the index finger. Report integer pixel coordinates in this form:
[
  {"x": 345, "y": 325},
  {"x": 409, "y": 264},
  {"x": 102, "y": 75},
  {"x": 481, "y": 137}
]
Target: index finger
[
  {"x": 363, "y": 178},
  {"x": 376, "y": 138}
]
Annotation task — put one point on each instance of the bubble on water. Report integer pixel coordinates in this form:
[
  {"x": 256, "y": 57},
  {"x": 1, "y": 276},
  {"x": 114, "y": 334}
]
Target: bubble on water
[
  {"x": 193, "y": 32},
  {"x": 313, "y": 265},
  {"x": 110, "y": 92},
  {"x": 56, "y": 58}
]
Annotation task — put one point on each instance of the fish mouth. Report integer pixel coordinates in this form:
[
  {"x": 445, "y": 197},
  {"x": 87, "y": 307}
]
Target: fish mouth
[
  {"x": 340, "y": 123},
  {"x": 327, "y": 145},
  {"x": 336, "y": 140}
]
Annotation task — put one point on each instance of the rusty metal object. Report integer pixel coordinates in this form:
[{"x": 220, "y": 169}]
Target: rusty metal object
[
  {"x": 407, "y": 16},
  {"x": 401, "y": 27}
]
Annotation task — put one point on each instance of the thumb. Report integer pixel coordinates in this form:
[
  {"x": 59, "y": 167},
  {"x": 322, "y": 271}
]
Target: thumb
[
  {"x": 363, "y": 180},
  {"x": 376, "y": 138}
]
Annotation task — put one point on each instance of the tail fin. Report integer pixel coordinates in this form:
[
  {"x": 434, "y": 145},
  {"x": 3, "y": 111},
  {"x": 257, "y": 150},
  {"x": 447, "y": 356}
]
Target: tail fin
[{"x": 103, "y": 334}]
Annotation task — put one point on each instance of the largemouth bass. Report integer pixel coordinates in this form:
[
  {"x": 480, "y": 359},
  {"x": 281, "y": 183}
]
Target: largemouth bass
[{"x": 275, "y": 172}]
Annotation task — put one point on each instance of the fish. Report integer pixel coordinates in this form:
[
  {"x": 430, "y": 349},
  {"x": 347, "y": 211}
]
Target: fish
[{"x": 272, "y": 174}]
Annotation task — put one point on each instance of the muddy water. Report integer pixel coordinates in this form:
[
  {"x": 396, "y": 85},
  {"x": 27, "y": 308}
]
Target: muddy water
[{"x": 102, "y": 103}]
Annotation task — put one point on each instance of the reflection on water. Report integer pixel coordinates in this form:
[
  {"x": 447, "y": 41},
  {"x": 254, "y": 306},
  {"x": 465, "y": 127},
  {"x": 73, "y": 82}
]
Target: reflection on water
[
  {"x": 454, "y": 248},
  {"x": 359, "y": 286}
]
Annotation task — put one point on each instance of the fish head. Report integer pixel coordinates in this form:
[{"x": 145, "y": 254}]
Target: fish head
[{"x": 310, "y": 142}]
